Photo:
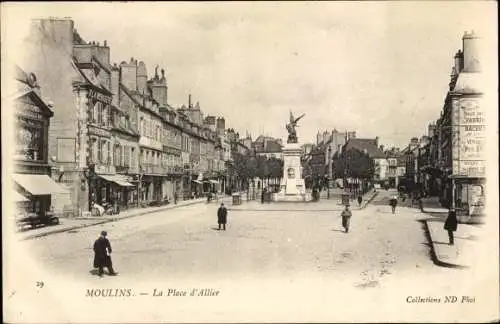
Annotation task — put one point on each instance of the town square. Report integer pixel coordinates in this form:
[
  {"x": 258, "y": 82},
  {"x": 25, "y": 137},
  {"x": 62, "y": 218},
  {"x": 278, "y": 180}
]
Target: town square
[{"x": 232, "y": 162}]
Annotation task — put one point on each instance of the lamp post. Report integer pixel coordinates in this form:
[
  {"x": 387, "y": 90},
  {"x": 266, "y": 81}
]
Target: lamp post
[
  {"x": 139, "y": 186},
  {"x": 330, "y": 175},
  {"x": 89, "y": 174}
]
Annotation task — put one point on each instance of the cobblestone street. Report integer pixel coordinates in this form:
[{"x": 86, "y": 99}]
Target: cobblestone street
[{"x": 383, "y": 253}]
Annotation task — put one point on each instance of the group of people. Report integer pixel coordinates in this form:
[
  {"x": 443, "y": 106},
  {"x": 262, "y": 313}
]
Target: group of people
[{"x": 102, "y": 246}]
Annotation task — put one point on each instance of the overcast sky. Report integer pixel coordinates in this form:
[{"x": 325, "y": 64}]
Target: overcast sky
[{"x": 378, "y": 68}]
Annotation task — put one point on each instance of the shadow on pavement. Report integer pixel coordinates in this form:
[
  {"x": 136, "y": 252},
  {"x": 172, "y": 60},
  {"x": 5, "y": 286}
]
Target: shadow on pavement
[
  {"x": 432, "y": 252},
  {"x": 94, "y": 272}
]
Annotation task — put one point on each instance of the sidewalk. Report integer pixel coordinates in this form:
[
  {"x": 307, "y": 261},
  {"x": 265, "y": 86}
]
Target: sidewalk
[
  {"x": 67, "y": 224},
  {"x": 433, "y": 206},
  {"x": 459, "y": 255}
]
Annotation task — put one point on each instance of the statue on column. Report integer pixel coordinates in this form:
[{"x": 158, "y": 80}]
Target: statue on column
[{"x": 290, "y": 127}]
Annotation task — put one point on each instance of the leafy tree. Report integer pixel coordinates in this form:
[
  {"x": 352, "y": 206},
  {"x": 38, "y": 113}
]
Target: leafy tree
[{"x": 353, "y": 163}]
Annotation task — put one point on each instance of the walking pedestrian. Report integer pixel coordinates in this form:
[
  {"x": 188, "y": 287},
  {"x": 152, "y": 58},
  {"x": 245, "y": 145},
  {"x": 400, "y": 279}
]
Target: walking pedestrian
[
  {"x": 222, "y": 216},
  {"x": 393, "y": 202},
  {"x": 262, "y": 195},
  {"x": 102, "y": 255},
  {"x": 360, "y": 200},
  {"x": 346, "y": 218},
  {"x": 451, "y": 224}
]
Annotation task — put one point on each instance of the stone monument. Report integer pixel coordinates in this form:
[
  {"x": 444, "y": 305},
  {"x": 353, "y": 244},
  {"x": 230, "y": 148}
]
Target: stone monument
[{"x": 292, "y": 187}]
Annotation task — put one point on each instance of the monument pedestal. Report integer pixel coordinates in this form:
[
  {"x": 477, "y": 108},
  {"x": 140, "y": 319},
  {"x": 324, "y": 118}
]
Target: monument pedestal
[{"x": 292, "y": 187}]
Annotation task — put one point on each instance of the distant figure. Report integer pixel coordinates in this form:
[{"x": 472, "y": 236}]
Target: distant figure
[
  {"x": 222, "y": 217},
  {"x": 262, "y": 195},
  {"x": 360, "y": 200},
  {"x": 393, "y": 202},
  {"x": 346, "y": 218},
  {"x": 451, "y": 224},
  {"x": 176, "y": 196},
  {"x": 102, "y": 255}
]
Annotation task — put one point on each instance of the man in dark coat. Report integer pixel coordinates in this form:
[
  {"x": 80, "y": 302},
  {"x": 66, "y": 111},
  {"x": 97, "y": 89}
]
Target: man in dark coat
[
  {"x": 102, "y": 255},
  {"x": 222, "y": 216},
  {"x": 263, "y": 195},
  {"x": 451, "y": 224}
]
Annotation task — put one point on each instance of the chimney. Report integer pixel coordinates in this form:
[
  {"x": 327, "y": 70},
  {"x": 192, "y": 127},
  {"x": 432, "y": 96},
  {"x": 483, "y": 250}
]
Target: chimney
[
  {"x": 459, "y": 62},
  {"x": 471, "y": 46},
  {"x": 376, "y": 141},
  {"x": 142, "y": 77},
  {"x": 115, "y": 84},
  {"x": 189, "y": 102},
  {"x": 129, "y": 75}
]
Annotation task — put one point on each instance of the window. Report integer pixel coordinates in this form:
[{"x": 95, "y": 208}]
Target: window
[
  {"x": 98, "y": 107},
  {"x": 66, "y": 149},
  {"x": 117, "y": 155},
  {"x": 132, "y": 157},
  {"x": 126, "y": 156},
  {"x": 95, "y": 112},
  {"x": 29, "y": 140}
]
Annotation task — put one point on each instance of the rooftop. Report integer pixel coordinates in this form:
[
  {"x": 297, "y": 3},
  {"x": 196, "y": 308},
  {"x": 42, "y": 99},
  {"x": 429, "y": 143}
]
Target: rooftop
[{"x": 365, "y": 145}]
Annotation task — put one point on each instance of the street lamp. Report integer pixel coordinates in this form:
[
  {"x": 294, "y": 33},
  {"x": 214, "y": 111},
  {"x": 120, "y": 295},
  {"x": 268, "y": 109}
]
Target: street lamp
[
  {"x": 89, "y": 174},
  {"x": 330, "y": 176},
  {"x": 139, "y": 186}
]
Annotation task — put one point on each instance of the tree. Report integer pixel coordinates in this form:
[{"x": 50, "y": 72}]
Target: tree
[{"x": 353, "y": 163}]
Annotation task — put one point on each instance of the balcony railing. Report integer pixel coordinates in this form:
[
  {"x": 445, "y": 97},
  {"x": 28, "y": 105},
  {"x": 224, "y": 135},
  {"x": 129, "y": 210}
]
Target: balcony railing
[
  {"x": 122, "y": 168},
  {"x": 153, "y": 169}
]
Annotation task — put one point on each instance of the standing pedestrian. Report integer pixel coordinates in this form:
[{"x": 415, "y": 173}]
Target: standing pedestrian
[
  {"x": 222, "y": 216},
  {"x": 451, "y": 224},
  {"x": 346, "y": 218},
  {"x": 393, "y": 202},
  {"x": 176, "y": 196},
  {"x": 360, "y": 200},
  {"x": 102, "y": 255},
  {"x": 262, "y": 195}
]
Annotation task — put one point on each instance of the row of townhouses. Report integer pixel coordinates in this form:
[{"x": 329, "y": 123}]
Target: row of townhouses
[
  {"x": 108, "y": 132},
  {"x": 449, "y": 161}
]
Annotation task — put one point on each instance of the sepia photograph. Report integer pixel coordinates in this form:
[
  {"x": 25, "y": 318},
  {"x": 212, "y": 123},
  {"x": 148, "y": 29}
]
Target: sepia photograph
[{"x": 263, "y": 162}]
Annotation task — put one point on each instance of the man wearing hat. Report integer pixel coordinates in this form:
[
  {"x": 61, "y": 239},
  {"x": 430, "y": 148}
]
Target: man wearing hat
[
  {"x": 451, "y": 225},
  {"x": 346, "y": 218},
  {"x": 102, "y": 255},
  {"x": 222, "y": 216}
]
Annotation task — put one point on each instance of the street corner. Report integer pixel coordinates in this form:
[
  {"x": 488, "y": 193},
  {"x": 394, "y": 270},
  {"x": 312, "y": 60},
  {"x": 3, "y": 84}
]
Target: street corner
[{"x": 458, "y": 255}]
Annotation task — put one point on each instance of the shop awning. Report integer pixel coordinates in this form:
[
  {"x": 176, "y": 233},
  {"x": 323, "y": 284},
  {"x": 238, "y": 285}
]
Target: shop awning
[
  {"x": 214, "y": 181},
  {"x": 17, "y": 197},
  {"x": 38, "y": 184},
  {"x": 116, "y": 179},
  {"x": 198, "y": 181}
]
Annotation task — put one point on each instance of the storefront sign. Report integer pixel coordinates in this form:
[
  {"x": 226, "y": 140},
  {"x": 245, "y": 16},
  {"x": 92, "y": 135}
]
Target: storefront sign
[
  {"x": 99, "y": 96},
  {"x": 468, "y": 138}
]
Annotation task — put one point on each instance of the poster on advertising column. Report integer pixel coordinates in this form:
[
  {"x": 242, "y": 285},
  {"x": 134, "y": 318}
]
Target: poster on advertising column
[{"x": 469, "y": 139}]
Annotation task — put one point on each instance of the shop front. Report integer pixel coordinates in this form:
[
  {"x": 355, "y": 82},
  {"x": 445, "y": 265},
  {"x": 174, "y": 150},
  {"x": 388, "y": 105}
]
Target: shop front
[
  {"x": 116, "y": 189},
  {"x": 34, "y": 193}
]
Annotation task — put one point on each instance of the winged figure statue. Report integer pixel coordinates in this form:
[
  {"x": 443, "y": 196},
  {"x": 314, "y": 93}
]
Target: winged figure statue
[{"x": 290, "y": 127}]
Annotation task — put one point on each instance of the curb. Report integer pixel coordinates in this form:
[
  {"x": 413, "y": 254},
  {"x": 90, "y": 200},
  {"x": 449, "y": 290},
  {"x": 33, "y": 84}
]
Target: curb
[
  {"x": 433, "y": 252},
  {"x": 109, "y": 220}
]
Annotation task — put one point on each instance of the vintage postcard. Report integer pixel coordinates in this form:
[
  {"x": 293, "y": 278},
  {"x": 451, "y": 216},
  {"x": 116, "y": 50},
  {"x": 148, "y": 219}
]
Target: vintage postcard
[{"x": 250, "y": 162}]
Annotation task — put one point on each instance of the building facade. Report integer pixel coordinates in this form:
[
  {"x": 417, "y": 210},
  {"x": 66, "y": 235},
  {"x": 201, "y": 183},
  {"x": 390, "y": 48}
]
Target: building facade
[{"x": 34, "y": 190}]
